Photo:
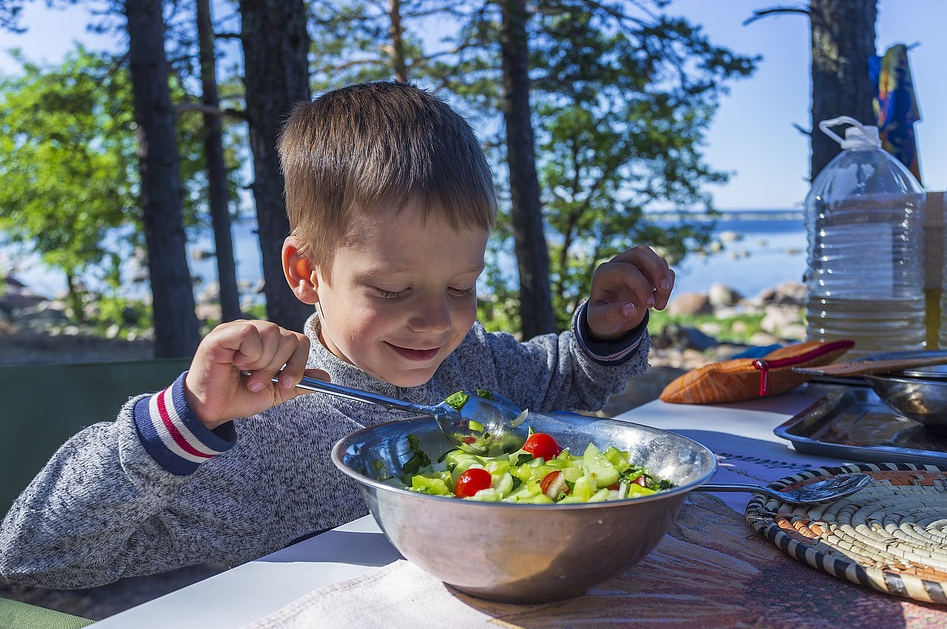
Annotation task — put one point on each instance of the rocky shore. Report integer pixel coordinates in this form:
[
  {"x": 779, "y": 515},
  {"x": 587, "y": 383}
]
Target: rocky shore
[{"x": 34, "y": 330}]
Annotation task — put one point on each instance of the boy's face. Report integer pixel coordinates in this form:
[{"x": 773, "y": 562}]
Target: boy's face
[{"x": 402, "y": 295}]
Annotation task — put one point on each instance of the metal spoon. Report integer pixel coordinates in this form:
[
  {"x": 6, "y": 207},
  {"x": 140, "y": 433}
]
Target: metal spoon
[
  {"x": 482, "y": 425},
  {"x": 820, "y": 491}
]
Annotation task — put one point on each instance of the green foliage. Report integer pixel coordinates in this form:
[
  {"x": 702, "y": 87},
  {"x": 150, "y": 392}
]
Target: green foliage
[
  {"x": 69, "y": 160},
  {"x": 113, "y": 316},
  {"x": 622, "y": 97},
  {"x": 70, "y": 170},
  {"x": 622, "y": 102}
]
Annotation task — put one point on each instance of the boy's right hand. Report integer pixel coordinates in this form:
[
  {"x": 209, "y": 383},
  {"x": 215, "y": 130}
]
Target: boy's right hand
[{"x": 216, "y": 388}]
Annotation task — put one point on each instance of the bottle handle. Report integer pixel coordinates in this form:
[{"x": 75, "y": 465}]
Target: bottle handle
[{"x": 825, "y": 124}]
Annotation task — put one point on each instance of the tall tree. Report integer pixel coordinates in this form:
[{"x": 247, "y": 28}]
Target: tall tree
[
  {"x": 622, "y": 102},
  {"x": 532, "y": 254},
  {"x": 842, "y": 43},
  {"x": 218, "y": 189},
  {"x": 620, "y": 99},
  {"x": 175, "y": 324},
  {"x": 275, "y": 47}
]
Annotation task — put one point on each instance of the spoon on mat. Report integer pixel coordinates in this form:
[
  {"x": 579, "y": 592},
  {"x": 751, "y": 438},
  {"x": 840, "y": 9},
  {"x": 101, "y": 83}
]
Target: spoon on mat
[
  {"x": 480, "y": 422},
  {"x": 820, "y": 491}
]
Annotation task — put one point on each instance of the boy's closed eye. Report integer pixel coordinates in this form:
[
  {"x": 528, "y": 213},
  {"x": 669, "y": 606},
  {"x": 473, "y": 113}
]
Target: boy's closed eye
[
  {"x": 390, "y": 294},
  {"x": 400, "y": 294}
]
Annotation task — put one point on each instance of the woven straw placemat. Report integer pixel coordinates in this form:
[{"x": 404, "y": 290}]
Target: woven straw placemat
[{"x": 890, "y": 536}]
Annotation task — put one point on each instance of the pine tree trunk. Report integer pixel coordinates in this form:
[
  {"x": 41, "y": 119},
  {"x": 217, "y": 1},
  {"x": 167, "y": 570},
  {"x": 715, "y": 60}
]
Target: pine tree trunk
[
  {"x": 217, "y": 170},
  {"x": 843, "y": 40},
  {"x": 275, "y": 48},
  {"x": 532, "y": 254},
  {"x": 175, "y": 324},
  {"x": 396, "y": 31}
]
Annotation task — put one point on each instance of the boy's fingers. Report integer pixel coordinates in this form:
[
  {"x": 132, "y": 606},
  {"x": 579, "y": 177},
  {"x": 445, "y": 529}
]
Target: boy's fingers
[
  {"x": 651, "y": 265},
  {"x": 295, "y": 366},
  {"x": 612, "y": 316},
  {"x": 641, "y": 271}
]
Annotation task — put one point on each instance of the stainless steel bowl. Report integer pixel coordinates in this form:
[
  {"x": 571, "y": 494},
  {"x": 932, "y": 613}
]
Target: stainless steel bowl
[
  {"x": 919, "y": 393},
  {"x": 524, "y": 553}
]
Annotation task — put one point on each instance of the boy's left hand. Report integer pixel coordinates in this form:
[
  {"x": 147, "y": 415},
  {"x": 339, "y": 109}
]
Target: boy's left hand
[{"x": 624, "y": 288}]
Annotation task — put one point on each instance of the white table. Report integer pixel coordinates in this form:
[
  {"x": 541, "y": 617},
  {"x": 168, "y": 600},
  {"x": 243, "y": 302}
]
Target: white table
[{"x": 261, "y": 587}]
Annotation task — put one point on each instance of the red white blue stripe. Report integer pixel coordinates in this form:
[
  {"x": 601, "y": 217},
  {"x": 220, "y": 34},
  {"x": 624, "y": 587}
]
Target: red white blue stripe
[{"x": 171, "y": 433}]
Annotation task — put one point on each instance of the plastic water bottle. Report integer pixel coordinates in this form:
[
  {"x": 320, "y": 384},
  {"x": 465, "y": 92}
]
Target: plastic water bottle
[{"x": 864, "y": 220}]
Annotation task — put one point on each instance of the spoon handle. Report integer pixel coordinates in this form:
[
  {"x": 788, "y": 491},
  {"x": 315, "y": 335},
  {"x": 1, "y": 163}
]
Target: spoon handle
[
  {"x": 312, "y": 384},
  {"x": 756, "y": 489}
]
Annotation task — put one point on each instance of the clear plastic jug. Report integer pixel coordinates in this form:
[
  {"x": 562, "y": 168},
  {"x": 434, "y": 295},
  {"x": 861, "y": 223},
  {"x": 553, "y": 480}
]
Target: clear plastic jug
[{"x": 864, "y": 220}]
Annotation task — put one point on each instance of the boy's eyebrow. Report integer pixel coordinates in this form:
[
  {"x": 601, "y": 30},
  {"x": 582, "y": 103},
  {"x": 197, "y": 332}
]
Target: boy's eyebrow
[{"x": 389, "y": 270}]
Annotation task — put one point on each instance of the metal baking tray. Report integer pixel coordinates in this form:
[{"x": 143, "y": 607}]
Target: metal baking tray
[{"x": 854, "y": 424}]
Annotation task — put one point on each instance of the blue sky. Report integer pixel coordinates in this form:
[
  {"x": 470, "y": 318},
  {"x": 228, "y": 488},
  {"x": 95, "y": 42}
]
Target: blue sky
[{"x": 753, "y": 136}]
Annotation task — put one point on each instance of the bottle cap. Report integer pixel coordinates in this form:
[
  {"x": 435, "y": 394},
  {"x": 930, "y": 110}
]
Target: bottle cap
[
  {"x": 857, "y": 136},
  {"x": 861, "y": 137}
]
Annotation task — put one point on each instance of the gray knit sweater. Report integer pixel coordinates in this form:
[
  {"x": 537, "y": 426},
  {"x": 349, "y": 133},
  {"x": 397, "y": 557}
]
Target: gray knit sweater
[{"x": 155, "y": 490}]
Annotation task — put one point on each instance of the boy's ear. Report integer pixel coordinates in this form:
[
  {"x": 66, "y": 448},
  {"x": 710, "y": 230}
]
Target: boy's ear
[{"x": 299, "y": 272}]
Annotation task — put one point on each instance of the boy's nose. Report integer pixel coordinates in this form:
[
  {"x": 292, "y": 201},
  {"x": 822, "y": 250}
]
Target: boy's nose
[{"x": 433, "y": 315}]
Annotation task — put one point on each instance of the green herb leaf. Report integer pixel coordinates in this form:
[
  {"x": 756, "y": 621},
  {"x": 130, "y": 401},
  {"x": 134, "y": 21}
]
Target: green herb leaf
[{"x": 457, "y": 400}]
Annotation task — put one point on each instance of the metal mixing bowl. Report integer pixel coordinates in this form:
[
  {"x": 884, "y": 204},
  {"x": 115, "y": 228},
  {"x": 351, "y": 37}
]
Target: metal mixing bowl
[
  {"x": 918, "y": 393},
  {"x": 921, "y": 397},
  {"x": 517, "y": 552}
]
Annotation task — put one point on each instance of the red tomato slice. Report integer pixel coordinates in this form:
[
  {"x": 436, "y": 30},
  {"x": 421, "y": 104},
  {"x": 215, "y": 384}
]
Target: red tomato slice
[
  {"x": 542, "y": 445},
  {"x": 472, "y": 481},
  {"x": 554, "y": 483}
]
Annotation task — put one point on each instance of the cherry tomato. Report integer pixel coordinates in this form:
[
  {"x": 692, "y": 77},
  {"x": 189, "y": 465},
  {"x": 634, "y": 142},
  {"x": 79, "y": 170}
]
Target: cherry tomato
[
  {"x": 541, "y": 445},
  {"x": 472, "y": 481}
]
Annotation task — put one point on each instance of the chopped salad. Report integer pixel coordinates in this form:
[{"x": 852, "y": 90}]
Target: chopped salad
[{"x": 541, "y": 472}]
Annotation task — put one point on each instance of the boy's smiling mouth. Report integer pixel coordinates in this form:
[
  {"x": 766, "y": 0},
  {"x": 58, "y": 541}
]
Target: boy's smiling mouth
[{"x": 416, "y": 354}]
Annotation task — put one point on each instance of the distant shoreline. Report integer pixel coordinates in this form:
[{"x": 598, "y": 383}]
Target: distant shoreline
[{"x": 728, "y": 215}]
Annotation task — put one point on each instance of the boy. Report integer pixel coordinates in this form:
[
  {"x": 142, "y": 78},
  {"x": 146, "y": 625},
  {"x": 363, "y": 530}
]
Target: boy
[{"x": 390, "y": 201}]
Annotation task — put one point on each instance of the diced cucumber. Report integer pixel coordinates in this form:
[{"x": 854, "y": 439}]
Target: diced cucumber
[
  {"x": 490, "y": 494},
  {"x": 600, "y": 496},
  {"x": 456, "y": 457},
  {"x": 525, "y": 492},
  {"x": 431, "y": 484},
  {"x": 572, "y": 473},
  {"x": 503, "y": 483},
  {"x": 634, "y": 489},
  {"x": 497, "y": 467},
  {"x": 621, "y": 460},
  {"x": 584, "y": 488},
  {"x": 598, "y": 467},
  {"x": 524, "y": 473}
]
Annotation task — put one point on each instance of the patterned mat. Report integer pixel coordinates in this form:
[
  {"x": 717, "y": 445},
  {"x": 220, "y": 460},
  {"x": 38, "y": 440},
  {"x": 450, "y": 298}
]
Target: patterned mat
[{"x": 890, "y": 536}]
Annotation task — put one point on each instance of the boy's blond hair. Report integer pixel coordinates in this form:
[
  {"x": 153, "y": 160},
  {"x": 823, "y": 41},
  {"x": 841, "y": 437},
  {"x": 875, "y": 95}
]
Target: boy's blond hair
[{"x": 365, "y": 148}]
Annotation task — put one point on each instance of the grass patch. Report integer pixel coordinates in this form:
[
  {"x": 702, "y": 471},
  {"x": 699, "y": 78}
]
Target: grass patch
[{"x": 738, "y": 329}]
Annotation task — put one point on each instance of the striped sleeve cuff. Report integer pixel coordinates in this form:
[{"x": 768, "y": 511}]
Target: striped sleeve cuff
[
  {"x": 173, "y": 435},
  {"x": 607, "y": 352}
]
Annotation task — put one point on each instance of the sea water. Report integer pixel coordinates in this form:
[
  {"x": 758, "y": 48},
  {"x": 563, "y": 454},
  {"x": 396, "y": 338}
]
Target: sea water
[{"x": 756, "y": 250}]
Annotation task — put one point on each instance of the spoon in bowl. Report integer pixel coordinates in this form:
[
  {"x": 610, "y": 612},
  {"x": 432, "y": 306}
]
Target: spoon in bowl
[
  {"x": 479, "y": 422},
  {"x": 820, "y": 491}
]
